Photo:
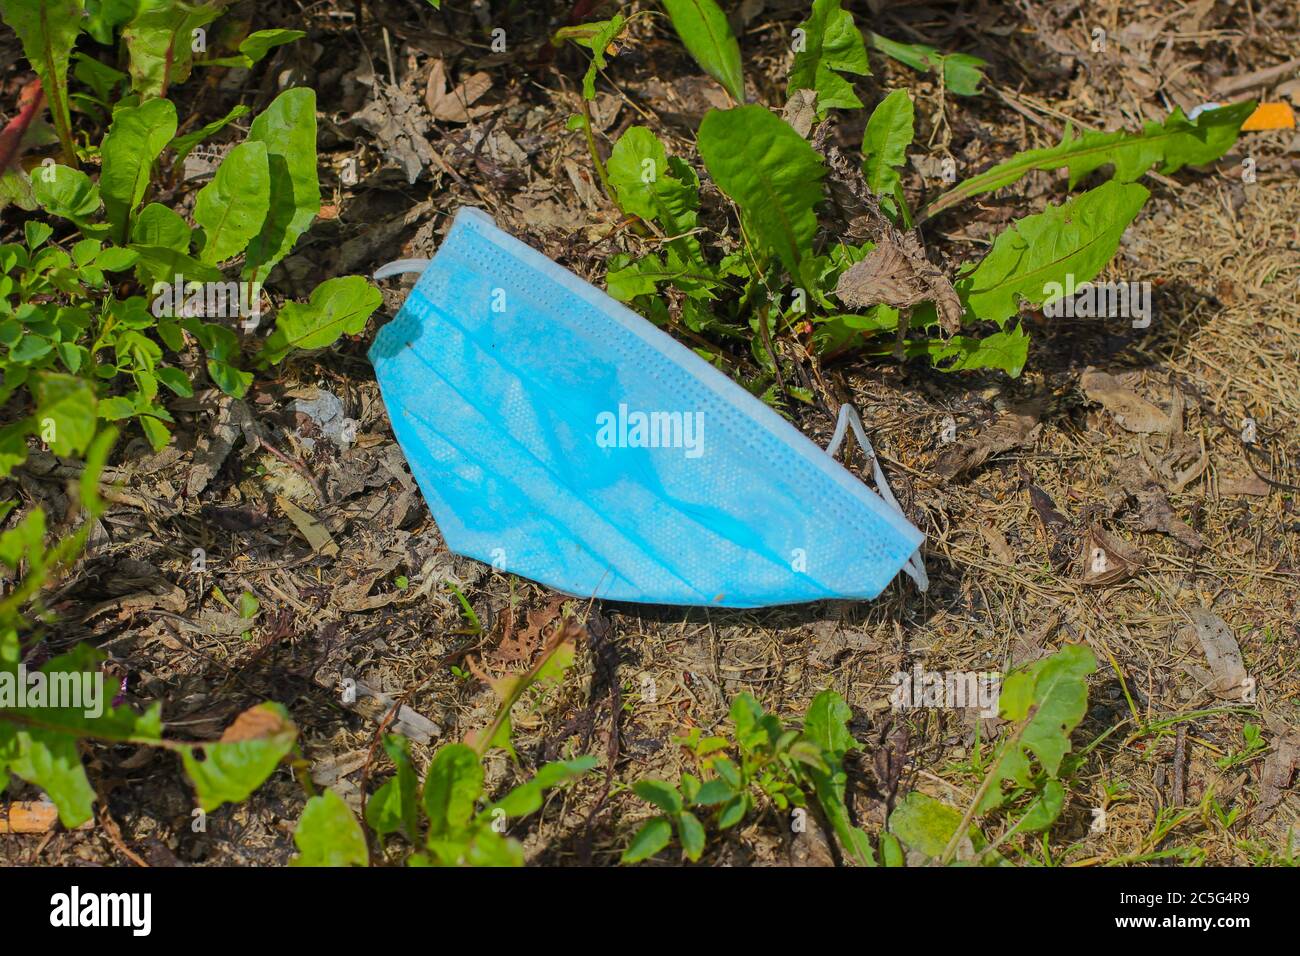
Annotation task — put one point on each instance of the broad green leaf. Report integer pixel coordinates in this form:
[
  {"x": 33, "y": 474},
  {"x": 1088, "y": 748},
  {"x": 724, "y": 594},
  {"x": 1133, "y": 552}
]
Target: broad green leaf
[
  {"x": 182, "y": 145},
  {"x": 527, "y": 797},
  {"x": 691, "y": 832},
  {"x": 884, "y": 146},
  {"x": 232, "y": 208},
  {"x": 162, "y": 39},
  {"x": 1077, "y": 238},
  {"x": 962, "y": 73},
  {"x": 136, "y": 138},
  {"x": 647, "y": 183},
  {"x": 159, "y": 225},
  {"x": 1171, "y": 145},
  {"x": 1007, "y": 350},
  {"x": 51, "y": 761},
  {"x": 65, "y": 192},
  {"x": 395, "y": 806},
  {"x": 259, "y": 44},
  {"x": 230, "y": 769},
  {"x": 653, "y": 836},
  {"x": 1049, "y": 697},
  {"x": 328, "y": 834},
  {"x": 826, "y": 725},
  {"x": 48, "y": 30},
  {"x": 924, "y": 824},
  {"x": 771, "y": 173},
  {"x": 337, "y": 307},
  {"x": 65, "y": 412},
  {"x": 829, "y": 44},
  {"x": 1044, "y": 809},
  {"x": 451, "y": 788},
  {"x": 660, "y": 793},
  {"x": 708, "y": 38},
  {"x": 288, "y": 128}
]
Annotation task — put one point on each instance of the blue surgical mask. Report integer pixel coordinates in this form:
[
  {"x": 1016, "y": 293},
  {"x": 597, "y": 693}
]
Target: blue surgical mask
[{"x": 558, "y": 435}]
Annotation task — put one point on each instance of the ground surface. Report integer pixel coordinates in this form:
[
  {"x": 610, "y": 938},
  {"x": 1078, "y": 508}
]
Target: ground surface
[{"x": 1007, "y": 541}]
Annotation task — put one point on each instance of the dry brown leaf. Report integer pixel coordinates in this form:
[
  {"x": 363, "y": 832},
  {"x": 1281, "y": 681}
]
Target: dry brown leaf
[
  {"x": 310, "y": 528},
  {"x": 1244, "y": 485},
  {"x": 1279, "y": 767},
  {"x": 1016, "y": 426},
  {"x": 1107, "y": 560},
  {"x": 997, "y": 543},
  {"x": 1129, "y": 409},
  {"x": 1155, "y": 514},
  {"x": 456, "y": 105},
  {"x": 1227, "y": 677},
  {"x": 31, "y": 816},
  {"x": 257, "y": 723}
]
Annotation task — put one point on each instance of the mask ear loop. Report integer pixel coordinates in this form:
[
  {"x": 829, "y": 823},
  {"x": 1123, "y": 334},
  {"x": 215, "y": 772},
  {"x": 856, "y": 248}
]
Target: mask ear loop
[
  {"x": 915, "y": 567},
  {"x": 399, "y": 267}
]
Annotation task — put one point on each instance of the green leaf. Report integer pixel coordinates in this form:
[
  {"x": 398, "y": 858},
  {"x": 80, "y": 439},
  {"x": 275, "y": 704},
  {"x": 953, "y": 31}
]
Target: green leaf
[
  {"x": 288, "y": 128},
  {"x": 1077, "y": 238},
  {"x": 708, "y": 38},
  {"x": 158, "y": 225},
  {"x": 451, "y": 789},
  {"x": 328, "y": 834},
  {"x": 771, "y": 173},
  {"x": 527, "y": 797},
  {"x": 924, "y": 823},
  {"x": 182, "y": 145},
  {"x": 1044, "y": 809},
  {"x": 653, "y": 836},
  {"x": 48, "y": 30},
  {"x": 1171, "y": 145},
  {"x": 136, "y": 138},
  {"x": 1049, "y": 697},
  {"x": 51, "y": 761},
  {"x": 1007, "y": 350},
  {"x": 691, "y": 833},
  {"x": 65, "y": 192},
  {"x": 65, "y": 412},
  {"x": 660, "y": 793},
  {"x": 884, "y": 146},
  {"x": 647, "y": 183},
  {"x": 337, "y": 307},
  {"x": 831, "y": 45},
  {"x": 228, "y": 770},
  {"x": 232, "y": 208},
  {"x": 826, "y": 725},
  {"x": 259, "y": 44},
  {"x": 160, "y": 39},
  {"x": 962, "y": 73}
]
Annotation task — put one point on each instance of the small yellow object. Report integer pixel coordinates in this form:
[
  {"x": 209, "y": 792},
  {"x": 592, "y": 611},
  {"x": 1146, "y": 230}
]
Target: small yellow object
[{"x": 1271, "y": 116}]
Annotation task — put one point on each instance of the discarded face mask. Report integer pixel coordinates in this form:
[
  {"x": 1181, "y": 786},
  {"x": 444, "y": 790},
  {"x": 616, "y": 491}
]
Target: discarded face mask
[{"x": 557, "y": 435}]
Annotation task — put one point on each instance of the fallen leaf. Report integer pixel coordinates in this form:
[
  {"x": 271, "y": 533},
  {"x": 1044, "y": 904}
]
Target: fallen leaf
[
  {"x": 456, "y": 104},
  {"x": 1107, "y": 560},
  {"x": 1129, "y": 409},
  {"x": 997, "y": 543},
  {"x": 1227, "y": 677},
  {"x": 1279, "y": 767},
  {"x": 1155, "y": 514},
  {"x": 1016, "y": 426},
  {"x": 1244, "y": 485},
  {"x": 310, "y": 528}
]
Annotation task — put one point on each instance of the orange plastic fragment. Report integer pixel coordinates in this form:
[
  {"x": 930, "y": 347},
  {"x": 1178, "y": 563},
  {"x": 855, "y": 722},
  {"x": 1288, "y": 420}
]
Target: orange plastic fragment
[{"x": 1271, "y": 116}]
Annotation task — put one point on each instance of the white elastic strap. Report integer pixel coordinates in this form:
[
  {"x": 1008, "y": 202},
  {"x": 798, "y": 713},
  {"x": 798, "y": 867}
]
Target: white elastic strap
[
  {"x": 400, "y": 267},
  {"x": 915, "y": 567}
]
